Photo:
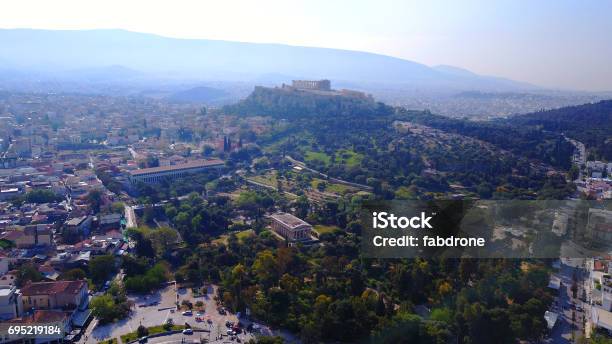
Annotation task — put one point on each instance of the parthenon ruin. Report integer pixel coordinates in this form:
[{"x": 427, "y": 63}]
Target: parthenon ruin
[{"x": 320, "y": 85}]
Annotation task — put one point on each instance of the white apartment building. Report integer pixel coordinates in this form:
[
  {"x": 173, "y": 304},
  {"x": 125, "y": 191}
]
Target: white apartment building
[{"x": 11, "y": 304}]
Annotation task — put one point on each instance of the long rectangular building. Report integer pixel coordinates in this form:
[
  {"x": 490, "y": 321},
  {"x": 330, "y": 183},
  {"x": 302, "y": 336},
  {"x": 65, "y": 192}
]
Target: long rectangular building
[
  {"x": 157, "y": 174},
  {"x": 290, "y": 227},
  {"x": 320, "y": 85}
]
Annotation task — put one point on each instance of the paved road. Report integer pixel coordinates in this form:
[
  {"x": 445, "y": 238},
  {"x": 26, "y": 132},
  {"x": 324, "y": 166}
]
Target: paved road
[
  {"x": 130, "y": 217},
  {"x": 180, "y": 338},
  {"x": 588, "y": 326},
  {"x": 570, "y": 319},
  {"x": 175, "y": 338},
  {"x": 579, "y": 156}
]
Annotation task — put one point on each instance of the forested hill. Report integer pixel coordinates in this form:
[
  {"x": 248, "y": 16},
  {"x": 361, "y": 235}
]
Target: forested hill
[
  {"x": 293, "y": 104},
  {"x": 362, "y": 141},
  {"x": 528, "y": 141},
  {"x": 334, "y": 114},
  {"x": 589, "y": 123}
]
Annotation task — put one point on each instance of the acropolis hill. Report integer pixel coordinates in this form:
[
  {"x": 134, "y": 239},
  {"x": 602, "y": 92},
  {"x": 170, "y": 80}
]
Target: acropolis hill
[
  {"x": 321, "y": 87},
  {"x": 304, "y": 98}
]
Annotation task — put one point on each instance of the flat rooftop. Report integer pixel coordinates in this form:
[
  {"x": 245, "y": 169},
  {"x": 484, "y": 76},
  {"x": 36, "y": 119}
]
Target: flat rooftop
[
  {"x": 289, "y": 220},
  {"x": 76, "y": 221},
  {"x": 185, "y": 166},
  {"x": 603, "y": 318},
  {"x": 5, "y": 292}
]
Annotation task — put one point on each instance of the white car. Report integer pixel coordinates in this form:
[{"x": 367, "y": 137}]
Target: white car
[
  {"x": 188, "y": 313},
  {"x": 187, "y": 331}
]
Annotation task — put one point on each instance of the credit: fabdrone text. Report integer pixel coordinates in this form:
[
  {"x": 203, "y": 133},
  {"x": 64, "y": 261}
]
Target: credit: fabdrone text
[{"x": 385, "y": 220}]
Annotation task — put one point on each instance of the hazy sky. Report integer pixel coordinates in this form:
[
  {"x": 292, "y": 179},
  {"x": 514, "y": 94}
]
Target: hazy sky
[{"x": 554, "y": 43}]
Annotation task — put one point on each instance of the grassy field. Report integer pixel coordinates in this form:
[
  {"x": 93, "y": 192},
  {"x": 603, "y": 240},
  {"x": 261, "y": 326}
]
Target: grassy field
[
  {"x": 404, "y": 193},
  {"x": 322, "y": 229},
  {"x": 110, "y": 341},
  {"x": 222, "y": 239},
  {"x": 331, "y": 187},
  {"x": 319, "y": 156},
  {"x": 152, "y": 330},
  {"x": 245, "y": 234},
  {"x": 338, "y": 188},
  {"x": 266, "y": 179},
  {"x": 348, "y": 158}
]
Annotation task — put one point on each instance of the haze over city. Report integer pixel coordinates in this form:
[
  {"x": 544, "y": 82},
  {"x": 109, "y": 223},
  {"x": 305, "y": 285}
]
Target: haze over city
[{"x": 553, "y": 44}]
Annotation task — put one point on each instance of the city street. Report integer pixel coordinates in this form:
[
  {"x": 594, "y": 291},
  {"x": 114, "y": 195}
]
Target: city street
[
  {"x": 571, "y": 310},
  {"x": 130, "y": 217}
]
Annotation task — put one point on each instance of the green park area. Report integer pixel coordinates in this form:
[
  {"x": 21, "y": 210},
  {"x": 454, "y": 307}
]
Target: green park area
[
  {"x": 348, "y": 158},
  {"x": 242, "y": 235},
  {"x": 311, "y": 156},
  {"x": 323, "y": 229},
  {"x": 151, "y": 331},
  {"x": 335, "y": 188},
  {"x": 109, "y": 341},
  {"x": 268, "y": 178},
  {"x": 344, "y": 157}
]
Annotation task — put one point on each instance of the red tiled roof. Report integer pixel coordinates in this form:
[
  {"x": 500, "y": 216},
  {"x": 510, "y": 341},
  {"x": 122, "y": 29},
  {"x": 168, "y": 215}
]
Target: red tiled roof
[
  {"x": 50, "y": 288},
  {"x": 47, "y": 316},
  {"x": 81, "y": 244},
  {"x": 13, "y": 235},
  {"x": 114, "y": 234},
  {"x": 41, "y": 317},
  {"x": 599, "y": 266},
  {"x": 603, "y": 227},
  {"x": 46, "y": 268}
]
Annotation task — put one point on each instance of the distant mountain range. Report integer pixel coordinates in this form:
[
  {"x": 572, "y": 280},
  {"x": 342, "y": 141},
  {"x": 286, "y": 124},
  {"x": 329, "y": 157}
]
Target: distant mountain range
[
  {"x": 201, "y": 94},
  {"x": 112, "y": 54}
]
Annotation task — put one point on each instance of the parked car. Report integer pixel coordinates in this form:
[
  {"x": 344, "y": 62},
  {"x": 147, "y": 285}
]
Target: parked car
[
  {"x": 188, "y": 313},
  {"x": 187, "y": 331}
]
